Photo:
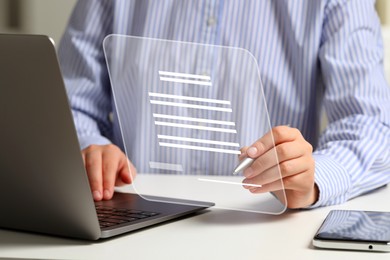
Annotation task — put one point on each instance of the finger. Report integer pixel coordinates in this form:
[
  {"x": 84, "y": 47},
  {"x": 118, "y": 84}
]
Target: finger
[
  {"x": 127, "y": 172},
  {"x": 83, "y": 156},
  {"x": 93, "y": 165},
  {"x": 243, "y": 153},
  {"x": 132, "y": 169},
  {"x": 277, "y": 172},
  {"x": 249, "y": 186},
  {"x": 299, "y": 190},
  {"x": 281, "y": 153},
  {"x": 270, "y": 187},
  {"x": 110, "y": 169},
  {"x": 297, "y": 182},
  {"x": 277, "y": 135}
]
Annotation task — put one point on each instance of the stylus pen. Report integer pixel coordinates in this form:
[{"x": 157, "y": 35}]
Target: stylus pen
[{"x": 243, "y": 165}]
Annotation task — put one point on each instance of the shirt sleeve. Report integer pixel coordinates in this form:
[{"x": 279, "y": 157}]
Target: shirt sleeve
[
  {"x": 85, "y": 74},
  {"x": 353, "y": 155}
]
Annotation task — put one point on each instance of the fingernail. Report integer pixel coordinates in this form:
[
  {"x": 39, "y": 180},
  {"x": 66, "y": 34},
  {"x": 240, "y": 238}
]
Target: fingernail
[
  {"x": 252, "y": 151},
  {"x": 107, "y": 194},
  {"x": 96, "y": 195},
  {"x": 246, "y": 187}
]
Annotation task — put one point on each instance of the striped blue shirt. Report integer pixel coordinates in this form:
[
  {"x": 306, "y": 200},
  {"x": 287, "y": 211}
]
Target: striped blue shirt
[{"x": 312, "y": 55}]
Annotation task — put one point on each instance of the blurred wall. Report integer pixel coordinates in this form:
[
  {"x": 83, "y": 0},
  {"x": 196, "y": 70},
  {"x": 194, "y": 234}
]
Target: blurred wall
[
  {"x": 383, "y": 8},
  {"x": 47, "y": 17}
]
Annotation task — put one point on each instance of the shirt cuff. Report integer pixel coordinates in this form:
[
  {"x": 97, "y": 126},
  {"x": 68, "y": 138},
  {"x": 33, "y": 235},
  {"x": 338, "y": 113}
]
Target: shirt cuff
[
  {"x": 87, "y": 140},
  {"x": 333, "y": 181}
]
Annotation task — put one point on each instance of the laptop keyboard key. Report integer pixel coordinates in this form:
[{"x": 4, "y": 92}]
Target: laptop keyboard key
[{"x": 109, "y": 217}]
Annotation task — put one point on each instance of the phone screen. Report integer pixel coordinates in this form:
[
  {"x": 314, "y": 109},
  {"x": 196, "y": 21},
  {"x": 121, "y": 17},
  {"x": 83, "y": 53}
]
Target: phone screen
[{"x": 350, "y": 225}]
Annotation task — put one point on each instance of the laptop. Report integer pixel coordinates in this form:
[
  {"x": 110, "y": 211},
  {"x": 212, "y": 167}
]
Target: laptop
[{"x": 43, "y": 182}]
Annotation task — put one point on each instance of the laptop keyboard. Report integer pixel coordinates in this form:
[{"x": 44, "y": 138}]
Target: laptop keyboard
[{"x": 109, "y": 217}]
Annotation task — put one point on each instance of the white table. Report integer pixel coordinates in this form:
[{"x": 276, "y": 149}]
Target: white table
[{"x": 215, "y": 234}]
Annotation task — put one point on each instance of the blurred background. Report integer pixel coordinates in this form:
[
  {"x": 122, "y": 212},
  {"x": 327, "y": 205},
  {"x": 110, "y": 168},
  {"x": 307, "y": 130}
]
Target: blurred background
[{"x": 47, "y": 17}]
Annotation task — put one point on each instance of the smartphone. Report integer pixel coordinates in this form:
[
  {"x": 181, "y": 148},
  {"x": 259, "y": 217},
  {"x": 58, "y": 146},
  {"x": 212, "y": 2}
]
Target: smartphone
[{"x": 355, "y": 230}]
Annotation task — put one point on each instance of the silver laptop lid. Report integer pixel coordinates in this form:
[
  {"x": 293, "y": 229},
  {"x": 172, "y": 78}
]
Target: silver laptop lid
[{"x": 43, "y": 184}]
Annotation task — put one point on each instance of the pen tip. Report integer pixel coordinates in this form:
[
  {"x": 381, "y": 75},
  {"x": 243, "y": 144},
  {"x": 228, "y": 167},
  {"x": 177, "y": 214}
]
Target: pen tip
[{"x": 236, "y": 171}]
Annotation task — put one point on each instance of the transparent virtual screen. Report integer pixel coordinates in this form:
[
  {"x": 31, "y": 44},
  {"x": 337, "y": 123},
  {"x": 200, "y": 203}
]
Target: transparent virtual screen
[{"x": 185, "y": 111}]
